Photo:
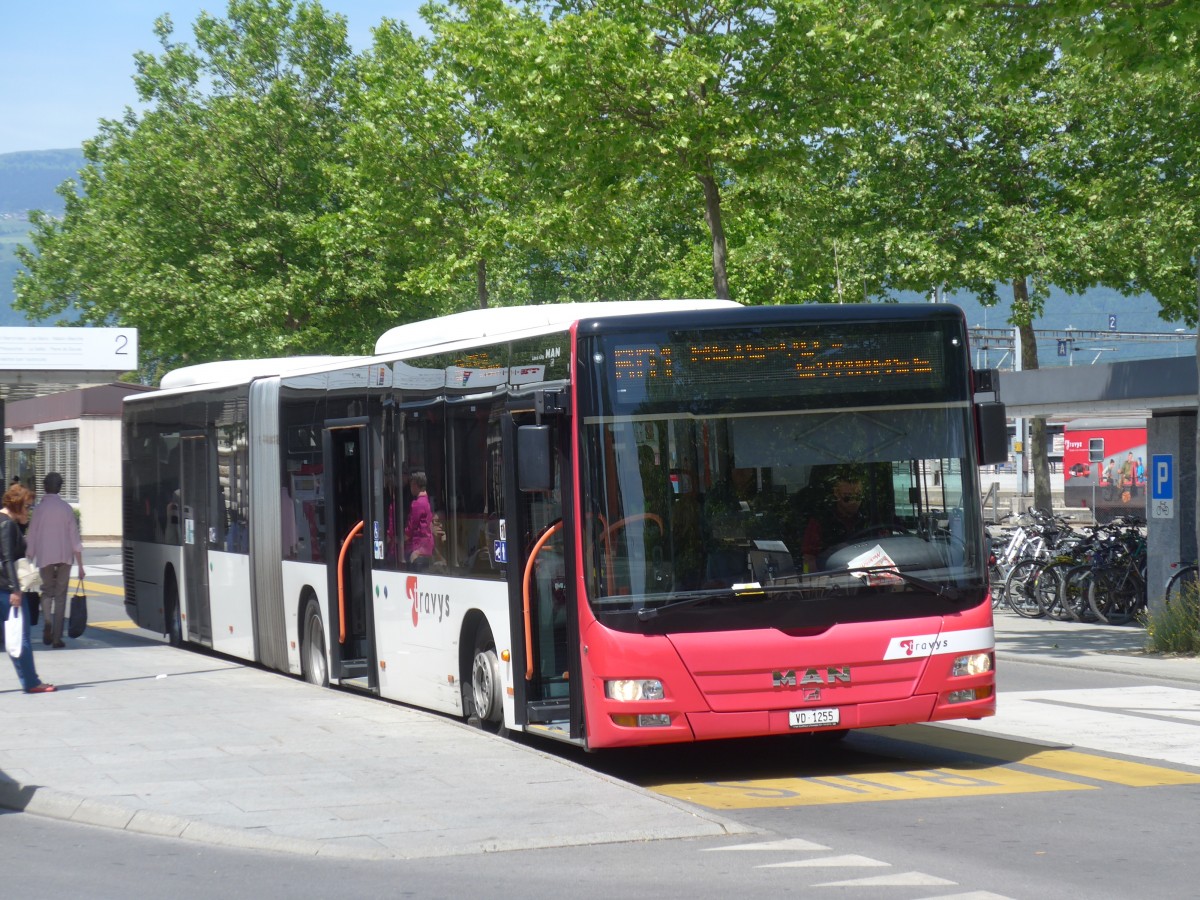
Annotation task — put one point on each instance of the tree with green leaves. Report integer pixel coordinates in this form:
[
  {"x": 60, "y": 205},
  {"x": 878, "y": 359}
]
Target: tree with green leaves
[
  {"x": 614, "y": 98},
  {"x": 198, "y": 220}
]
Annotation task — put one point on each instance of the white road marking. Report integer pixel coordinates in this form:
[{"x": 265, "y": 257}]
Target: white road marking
[
  {"x": 828, "y": 862},
  {"x": 900, "y": 879},
  {"x": 790, "y": 845}
]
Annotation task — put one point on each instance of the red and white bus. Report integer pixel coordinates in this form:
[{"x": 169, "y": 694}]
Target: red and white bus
[
  {"x": 620, "y": 498},
  {"x": 1104, "y": 466}
]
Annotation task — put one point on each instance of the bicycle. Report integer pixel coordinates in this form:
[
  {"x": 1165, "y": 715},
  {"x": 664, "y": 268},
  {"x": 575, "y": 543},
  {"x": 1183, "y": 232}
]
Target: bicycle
[
  {"x": 1117, "y": 592},
  {"x": 1185, "y": 581}
]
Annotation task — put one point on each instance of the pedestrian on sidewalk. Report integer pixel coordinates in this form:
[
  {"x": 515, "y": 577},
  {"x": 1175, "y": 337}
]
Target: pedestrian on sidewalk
[
  {"x": 14, "y": 514},
  {"x": 53, "y": 542}
]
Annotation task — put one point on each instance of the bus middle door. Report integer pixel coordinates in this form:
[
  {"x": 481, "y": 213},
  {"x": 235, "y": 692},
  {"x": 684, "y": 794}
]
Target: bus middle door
[{"x": 346, "y": 447}]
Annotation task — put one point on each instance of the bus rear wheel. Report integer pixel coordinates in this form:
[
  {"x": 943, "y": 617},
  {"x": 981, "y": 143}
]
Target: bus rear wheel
[
  {"x": 313, "y": 659},
  {"x": 486, "y": 705}
]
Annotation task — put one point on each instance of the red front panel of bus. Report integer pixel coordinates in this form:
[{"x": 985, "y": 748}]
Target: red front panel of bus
[{"x": 749, "y": 683}]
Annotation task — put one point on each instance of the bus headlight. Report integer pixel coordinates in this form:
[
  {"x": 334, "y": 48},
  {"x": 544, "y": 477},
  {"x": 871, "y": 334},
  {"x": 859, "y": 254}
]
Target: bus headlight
[
  {"x": 631, "y": 689},
  {"x": 972, "y": 664}
]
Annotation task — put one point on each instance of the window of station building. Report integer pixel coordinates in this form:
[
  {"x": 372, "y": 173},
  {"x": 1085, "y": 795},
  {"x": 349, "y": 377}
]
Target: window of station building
[{"x": 58, "y": 451}]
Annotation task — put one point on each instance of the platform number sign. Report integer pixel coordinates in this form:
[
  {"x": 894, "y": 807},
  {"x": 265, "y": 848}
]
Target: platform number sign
[
  {"x": 1112, "y": 323},
  {"x": 1162, "y": 486}
]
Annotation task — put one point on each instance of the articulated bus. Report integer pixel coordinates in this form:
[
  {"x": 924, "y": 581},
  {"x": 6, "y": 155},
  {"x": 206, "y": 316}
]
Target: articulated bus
[{"x": 632, "y": 532}]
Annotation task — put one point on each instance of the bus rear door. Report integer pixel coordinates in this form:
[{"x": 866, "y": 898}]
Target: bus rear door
[{"x": 197, "y": 501}]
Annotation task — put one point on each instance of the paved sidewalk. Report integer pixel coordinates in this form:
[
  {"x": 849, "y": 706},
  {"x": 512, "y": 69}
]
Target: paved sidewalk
[
  {"x": 1119, "y": 649},
  {"x": 170, "y": 742},
  {"x": 165, "y": 741}
]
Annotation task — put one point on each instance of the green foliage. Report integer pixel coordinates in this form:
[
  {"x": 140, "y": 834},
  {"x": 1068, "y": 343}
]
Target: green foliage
[
  {"x": 282, "y": 195},
  {"x": 1175, "y": 628}
]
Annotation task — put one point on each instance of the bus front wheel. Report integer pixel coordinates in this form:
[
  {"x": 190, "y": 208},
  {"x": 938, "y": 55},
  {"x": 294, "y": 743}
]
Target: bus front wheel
[
  {"x": 313, "y": 658},
  {"x": 487, "y": 707}
]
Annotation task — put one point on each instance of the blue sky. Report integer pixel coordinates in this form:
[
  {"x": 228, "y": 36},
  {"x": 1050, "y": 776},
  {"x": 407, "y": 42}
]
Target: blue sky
[{"x": 69, "y": 63}]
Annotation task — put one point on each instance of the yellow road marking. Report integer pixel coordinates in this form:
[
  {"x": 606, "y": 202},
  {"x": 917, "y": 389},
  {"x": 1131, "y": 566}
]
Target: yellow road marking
[
  {"x": 91, "y": 587},
  {"x": 1065, "y": 762},
  {"x": 116, "y": 623},
  {"x": 920, "y": 784},
  {"x": 899, "y": 782}
]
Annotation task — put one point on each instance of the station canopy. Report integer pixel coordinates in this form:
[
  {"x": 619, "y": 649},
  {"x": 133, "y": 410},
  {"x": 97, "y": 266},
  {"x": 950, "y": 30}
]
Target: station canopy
[{"x": 37, "y": 361}]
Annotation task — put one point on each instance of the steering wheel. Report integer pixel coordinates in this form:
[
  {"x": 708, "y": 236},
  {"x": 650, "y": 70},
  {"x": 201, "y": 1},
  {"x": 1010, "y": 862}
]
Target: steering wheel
[{"x": 880, "y": 529}]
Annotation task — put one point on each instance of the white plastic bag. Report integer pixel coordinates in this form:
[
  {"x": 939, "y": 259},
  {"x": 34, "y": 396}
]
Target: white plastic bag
[
  {"x": 29, "y": 575},
  {"x": 14, "y": 631}
]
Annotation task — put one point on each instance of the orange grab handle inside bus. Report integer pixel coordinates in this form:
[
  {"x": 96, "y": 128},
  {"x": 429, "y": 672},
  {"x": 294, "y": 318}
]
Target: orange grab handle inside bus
[
  {"x": 354, "y": 532},
  {"x": 541, "y": 542},
  {"x": 621, "y": 523}
]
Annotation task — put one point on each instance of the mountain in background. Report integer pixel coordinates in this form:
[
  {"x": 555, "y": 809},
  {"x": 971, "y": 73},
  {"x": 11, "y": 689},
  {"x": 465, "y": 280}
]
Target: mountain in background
[{"x": 28, "y": 181}]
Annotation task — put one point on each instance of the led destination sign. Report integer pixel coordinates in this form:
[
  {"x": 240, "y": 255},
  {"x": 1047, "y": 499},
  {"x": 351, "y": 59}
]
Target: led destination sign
[{"x": 778, "y": 366}]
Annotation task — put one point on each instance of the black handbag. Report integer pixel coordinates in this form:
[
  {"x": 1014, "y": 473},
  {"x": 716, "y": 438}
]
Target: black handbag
[{"x": 77, "y": 619}]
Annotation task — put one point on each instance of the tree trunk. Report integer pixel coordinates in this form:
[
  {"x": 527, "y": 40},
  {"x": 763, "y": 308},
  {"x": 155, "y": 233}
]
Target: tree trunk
[
  {"x": 481, "y": 291},
  {"x": 1038, "y": 451},
  {"x": 712, "y": 215}
]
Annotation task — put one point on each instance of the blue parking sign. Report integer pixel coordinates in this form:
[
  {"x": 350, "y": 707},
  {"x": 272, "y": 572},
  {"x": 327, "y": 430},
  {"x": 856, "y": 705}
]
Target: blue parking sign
[{"x": 1162, "y": 477}]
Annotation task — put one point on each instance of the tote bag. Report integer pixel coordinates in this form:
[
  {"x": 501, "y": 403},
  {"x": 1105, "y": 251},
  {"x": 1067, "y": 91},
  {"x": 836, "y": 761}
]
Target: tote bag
[
  {"x": 14, "y": 631},
  {"x": 77, "y": 618}
]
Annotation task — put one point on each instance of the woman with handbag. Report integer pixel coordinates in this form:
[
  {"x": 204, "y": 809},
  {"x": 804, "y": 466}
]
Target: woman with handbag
[{"x": 13, "y": 514}]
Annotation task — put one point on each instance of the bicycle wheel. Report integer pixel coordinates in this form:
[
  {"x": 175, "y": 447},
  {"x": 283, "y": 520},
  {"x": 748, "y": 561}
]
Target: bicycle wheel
[
  {"x": 1019, "y": 589},
  {"x": 1048, "y": 590},
  {"x": 1115, "y": 597},
  {"x": 1073, "y": 590},
  {"x": 1184, "y": 583}
]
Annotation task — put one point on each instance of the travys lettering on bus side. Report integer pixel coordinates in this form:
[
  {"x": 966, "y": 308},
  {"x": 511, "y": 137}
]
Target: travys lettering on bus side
[{"x": 426, "y": 602}]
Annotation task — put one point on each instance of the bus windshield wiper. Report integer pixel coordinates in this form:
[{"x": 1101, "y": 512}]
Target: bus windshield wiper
[
  {"x": 686, "y": 599},
  {"x": 933, "y": 587}
]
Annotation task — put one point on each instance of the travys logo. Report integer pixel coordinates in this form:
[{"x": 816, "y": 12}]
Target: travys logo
[
  {"x": 425, "y": 602},
  {"x": 970, "y": 640},
  {"x": 913, "y": 646}
]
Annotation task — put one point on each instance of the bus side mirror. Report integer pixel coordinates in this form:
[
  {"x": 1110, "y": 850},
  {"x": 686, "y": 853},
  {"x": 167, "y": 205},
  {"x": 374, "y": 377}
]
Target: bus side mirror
[
  {"x": 535, "y": 471},
  {"x": 991, "y": 426}
]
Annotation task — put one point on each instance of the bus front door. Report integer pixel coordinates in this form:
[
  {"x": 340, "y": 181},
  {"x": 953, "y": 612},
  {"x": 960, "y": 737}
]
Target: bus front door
[
  {"x": 347, "y": 477},
  {"x": 545, "y": 619},
  {"x": 196, "y": 514}
]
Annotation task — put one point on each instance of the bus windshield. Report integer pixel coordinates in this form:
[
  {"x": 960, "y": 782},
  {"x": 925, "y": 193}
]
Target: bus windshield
[{"x": 699, "y": 492}]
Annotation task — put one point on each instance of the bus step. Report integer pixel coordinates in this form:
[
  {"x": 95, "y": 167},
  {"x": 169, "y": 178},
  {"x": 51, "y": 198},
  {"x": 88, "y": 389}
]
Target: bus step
[
  {"x": 355, "y": 668},
  {"x": 359, "y": 683},
  {"x": 549, "y": 711},
  {"x": 559, "y": 731}
]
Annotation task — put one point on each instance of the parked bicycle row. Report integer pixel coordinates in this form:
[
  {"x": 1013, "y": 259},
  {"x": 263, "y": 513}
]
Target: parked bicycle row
[{"x": 1047, "y": 566}]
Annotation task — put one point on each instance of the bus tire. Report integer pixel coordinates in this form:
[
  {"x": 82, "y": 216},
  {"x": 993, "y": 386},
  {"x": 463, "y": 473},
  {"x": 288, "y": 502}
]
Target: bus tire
[
  {"x": 487, "y": 708},
  {"x": 313, "y": 659},
  {"x": 172, "y": 614}
]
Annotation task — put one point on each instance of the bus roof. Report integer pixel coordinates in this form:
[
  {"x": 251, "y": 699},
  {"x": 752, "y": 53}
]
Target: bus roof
[
  {"x": 500, "y": 321},
  {"x": 234, "y": 371}
]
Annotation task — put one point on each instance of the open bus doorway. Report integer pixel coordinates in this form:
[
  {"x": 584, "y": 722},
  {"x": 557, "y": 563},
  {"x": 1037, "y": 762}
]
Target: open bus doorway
[
  {"x": 348, "y": 556},
  {"x": 545, "y": 619}
]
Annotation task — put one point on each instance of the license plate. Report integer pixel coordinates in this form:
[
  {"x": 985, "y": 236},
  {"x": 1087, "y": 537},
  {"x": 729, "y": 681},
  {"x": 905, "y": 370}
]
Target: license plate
[{"x": 814, "y": 718}]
